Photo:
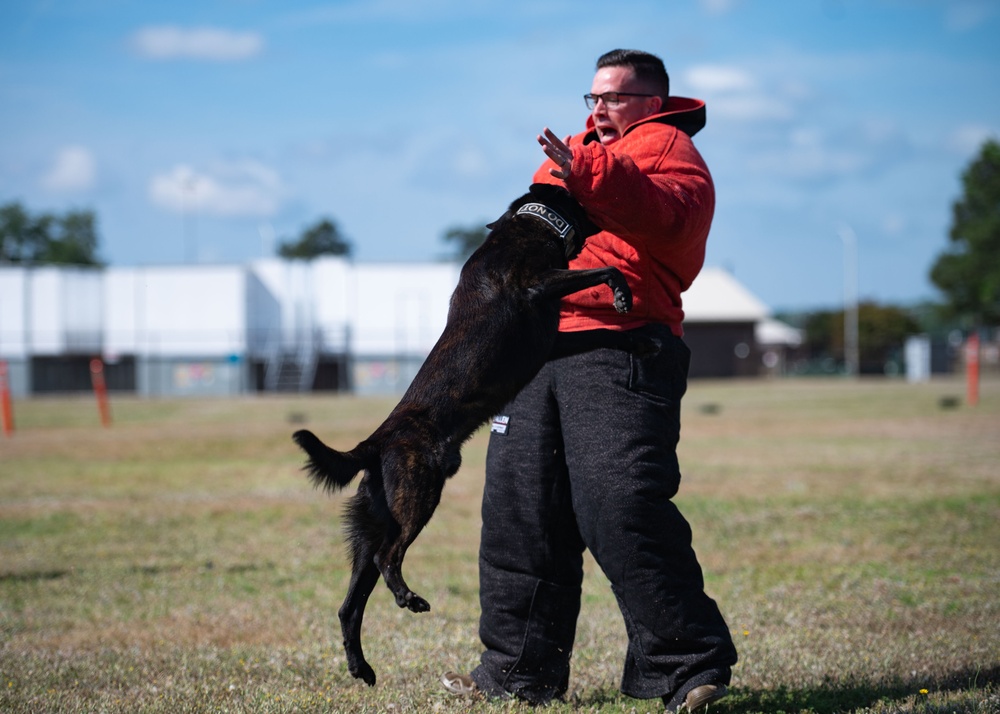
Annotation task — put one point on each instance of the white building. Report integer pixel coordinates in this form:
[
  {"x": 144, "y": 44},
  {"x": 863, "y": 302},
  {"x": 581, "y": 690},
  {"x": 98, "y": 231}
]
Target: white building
[{"x": 278, "y": 325}]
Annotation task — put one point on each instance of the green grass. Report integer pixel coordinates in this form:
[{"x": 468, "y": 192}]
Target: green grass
[{"x": 181, "y": 562}]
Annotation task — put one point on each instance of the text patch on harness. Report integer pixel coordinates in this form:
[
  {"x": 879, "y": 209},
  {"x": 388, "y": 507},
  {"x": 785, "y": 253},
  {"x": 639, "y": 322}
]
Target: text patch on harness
[{"x": 540, "y": 210}]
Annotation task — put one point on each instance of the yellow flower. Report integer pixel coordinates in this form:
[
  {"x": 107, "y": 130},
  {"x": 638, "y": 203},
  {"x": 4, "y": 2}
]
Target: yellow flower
[{"x": 923, "y": 691}]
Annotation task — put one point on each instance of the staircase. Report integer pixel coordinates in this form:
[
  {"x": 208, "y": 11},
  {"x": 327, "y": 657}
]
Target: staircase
[{"x": 290, "y": 372}]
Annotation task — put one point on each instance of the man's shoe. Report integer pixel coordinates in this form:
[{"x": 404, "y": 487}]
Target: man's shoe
[
  {"x": 699, "y": 698},
  {"x": 461, "y": 684}
]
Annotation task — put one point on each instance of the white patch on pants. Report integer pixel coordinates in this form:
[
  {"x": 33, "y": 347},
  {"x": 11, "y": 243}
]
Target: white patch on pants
[{"x": 499, "y": 424}]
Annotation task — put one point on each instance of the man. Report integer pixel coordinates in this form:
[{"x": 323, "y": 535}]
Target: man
[{"x": 588, "y": 456}]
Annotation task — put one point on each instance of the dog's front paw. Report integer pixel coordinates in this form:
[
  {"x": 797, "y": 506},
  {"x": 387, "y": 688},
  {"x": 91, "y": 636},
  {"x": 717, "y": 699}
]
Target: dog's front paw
[{"x": 623, "y": 298}]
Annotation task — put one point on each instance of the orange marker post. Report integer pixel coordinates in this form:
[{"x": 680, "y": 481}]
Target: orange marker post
[
  {"x": 6, "y": 404},
  {"x": 972, "y": 369},
  {"x": 100, "y": 390}
]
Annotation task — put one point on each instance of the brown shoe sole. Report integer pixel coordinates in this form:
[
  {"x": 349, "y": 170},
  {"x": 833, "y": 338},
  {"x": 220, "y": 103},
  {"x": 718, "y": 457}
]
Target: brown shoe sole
[
  {"x": 461, "y": 684},
  {"x": 699, "y": 698}
]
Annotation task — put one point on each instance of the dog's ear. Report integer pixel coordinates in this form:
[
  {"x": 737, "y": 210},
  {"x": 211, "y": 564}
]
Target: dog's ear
[
  {"x": 548, "y": 192},
  {"x": 493, "y": 224}
]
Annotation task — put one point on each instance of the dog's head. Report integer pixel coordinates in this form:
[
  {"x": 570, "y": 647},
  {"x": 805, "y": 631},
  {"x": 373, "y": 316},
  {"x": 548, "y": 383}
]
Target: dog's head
[{"x": 557, "y": 207}]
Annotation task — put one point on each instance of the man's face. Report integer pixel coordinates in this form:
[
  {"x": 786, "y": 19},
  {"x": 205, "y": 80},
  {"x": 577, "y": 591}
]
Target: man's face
[{"x": 611, "y": 122}]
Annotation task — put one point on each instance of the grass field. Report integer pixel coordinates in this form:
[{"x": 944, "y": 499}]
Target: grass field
[{"x": 181, "y": 562}]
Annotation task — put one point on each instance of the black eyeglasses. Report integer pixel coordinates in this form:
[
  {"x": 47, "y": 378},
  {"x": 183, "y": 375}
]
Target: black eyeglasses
[{"x": 610, "y": 99}]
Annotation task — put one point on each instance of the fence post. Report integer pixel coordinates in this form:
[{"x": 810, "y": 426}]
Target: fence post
[
  {"x": 6, "y": 404},
  {"x": 100, "y": 390},
  {"x": 972, "y": 369}
]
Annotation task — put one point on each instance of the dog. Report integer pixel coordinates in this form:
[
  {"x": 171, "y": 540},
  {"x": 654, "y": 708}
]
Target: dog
[{"x": 502, "y": 323}]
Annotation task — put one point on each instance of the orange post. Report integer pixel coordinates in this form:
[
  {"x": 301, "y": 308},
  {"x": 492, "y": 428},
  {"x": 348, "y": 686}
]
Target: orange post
[
  {"x": 972, "y": 370},
  {"x": 100, "y": 390},
  {"x": 6, "y": 404}
]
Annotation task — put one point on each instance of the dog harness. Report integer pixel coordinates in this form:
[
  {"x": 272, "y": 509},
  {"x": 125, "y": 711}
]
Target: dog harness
[{"x": 559, "y": 224}]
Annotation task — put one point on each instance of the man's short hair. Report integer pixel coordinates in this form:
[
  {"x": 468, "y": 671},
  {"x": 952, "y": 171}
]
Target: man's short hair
[{"x": 648, "y": 68}]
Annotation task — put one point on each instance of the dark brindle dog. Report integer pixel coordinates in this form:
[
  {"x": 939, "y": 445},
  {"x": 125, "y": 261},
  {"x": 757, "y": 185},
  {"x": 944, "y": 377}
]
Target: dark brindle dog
[{"x": 501, "y": 326}]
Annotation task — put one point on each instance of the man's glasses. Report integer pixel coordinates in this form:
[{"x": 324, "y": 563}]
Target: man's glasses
[{"x": 610, "y": 99}]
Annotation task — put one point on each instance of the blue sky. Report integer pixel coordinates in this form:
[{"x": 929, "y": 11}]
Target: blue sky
[{"x": 208, "y": 131}]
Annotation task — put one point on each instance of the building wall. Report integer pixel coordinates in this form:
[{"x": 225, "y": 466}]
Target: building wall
[
  {"x": 13, "y": 314},
  {"x": 389, "y": 374},
  {"x": 62, "y": 310},
  {"x": 397, "y": 310},
  {"x": 198, "y": 329},
  {"x": 177, "y": 311},
  {"x": 722, "y": 349},
  {"x": 209, "y": 376}
]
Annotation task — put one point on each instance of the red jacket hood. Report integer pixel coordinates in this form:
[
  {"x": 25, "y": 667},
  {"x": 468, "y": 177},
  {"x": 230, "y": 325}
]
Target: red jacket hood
[{"x": 685, "y": 113}]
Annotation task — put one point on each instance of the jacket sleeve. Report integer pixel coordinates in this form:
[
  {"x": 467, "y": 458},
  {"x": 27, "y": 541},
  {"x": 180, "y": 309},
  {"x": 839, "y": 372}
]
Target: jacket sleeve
[{"x": 651, "y": 187}]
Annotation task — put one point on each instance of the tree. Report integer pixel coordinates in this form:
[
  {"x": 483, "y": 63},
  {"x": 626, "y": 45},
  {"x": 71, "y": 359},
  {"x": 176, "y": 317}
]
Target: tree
[
  {"x": 882, "y": 332},
  {"x": 968, "y": 272},
  {"x": 466, "y": 240},
  {"x": 324, "y": 238},
  {"x": 75, "y": 240},
  {"x": 69, "y": 239}
]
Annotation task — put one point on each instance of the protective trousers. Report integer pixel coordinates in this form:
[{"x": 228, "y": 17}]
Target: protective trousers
[{"x": 585, "y": 457}]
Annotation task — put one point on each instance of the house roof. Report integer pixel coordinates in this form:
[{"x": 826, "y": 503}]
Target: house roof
[{"x": 716, "y": 296}]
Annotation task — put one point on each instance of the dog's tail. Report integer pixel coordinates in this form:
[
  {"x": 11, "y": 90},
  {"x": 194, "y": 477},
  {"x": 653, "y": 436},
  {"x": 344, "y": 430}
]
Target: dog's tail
[{"x": 328, "y": 467}]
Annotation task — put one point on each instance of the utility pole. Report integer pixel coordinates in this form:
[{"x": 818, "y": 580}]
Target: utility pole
[{"x": 852, "y": 357}]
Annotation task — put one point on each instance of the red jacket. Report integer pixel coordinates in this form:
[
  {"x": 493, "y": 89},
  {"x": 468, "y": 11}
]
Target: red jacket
[{"x": 652, "y": 194}]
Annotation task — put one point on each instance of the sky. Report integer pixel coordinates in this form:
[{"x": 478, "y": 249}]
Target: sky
[{"x": 208, "y": 132}]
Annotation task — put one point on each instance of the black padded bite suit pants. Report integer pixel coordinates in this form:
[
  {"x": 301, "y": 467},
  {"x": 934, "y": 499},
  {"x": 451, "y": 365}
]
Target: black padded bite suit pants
[{"x": 587, "y": 459}]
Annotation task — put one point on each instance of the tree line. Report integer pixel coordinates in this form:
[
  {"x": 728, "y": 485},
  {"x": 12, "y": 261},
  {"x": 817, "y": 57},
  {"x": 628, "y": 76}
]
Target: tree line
[
  {"x": 68, "y": 239},
  {"x": 967, "y": 271}
]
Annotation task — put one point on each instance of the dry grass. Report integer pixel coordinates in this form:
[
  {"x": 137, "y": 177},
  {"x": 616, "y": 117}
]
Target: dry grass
[{"x": 180, "y": 561}]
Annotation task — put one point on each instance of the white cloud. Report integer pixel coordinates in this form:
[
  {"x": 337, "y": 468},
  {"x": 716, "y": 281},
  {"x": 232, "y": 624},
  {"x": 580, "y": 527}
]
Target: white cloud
[
  {"x": 719, "y": 78},
  {"x": 245, "y": 188},
  {"x": 166, "y": 42},
  {"x": 751, "y": 107},
  {"x": 813, "y": 163},
  {"x": 967, "y": 139},
  {"x": 734, "y": 93},
  {"x": 815, "y": 155},
  {"x": 718, "y": 7},
  {"x": 74, "y": 169},
  {"x": 470, "y": 162},
  {"x": 968, "y": 15},
  {"x": 894, "y": 224}
]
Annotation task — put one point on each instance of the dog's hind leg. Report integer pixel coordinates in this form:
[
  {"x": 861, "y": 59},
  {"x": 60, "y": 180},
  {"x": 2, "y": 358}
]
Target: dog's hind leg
[
  {"x": 365, "y": 534},
  {"x": 390, "y": 561},
  {"x": 352, "y": 612},
  {"x": 417, "y": 484},
  {"x": 413, "y": 513}
]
